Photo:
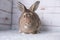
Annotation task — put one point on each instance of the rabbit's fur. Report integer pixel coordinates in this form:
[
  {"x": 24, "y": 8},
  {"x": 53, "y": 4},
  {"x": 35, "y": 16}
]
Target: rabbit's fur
[{"x": 29, "y": 21}]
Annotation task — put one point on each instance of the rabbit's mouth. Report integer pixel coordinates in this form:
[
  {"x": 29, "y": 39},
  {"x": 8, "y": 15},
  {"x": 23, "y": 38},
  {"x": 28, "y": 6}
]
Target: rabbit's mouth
[{"x": 27, "y": 25}]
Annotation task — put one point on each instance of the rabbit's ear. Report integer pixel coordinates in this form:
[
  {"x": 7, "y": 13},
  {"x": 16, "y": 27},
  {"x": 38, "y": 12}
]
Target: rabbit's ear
[
  {"x": 34, "y": 6},
  {"x": 21, "y": 7}
]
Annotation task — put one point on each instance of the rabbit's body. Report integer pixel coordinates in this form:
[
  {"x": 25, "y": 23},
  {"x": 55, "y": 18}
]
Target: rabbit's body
[
  {"x": 29, "y": 21},
  {"x": 29, "y": 24}
]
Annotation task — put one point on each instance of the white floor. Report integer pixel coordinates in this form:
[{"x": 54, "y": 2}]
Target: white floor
[{"x": 15, "y": 35}]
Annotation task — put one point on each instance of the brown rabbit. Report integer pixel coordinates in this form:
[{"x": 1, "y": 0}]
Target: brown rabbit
[{"x": 29, "y": 21}]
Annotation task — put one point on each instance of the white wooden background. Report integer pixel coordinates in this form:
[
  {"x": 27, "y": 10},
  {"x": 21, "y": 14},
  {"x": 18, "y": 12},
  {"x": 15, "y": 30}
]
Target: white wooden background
[
  {"x": 48, "y": 11},
  {"x": 5, "y": 14}
]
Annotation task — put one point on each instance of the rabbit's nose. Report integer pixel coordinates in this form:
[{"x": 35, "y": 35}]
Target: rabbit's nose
[{"x": 28, "y": 15}]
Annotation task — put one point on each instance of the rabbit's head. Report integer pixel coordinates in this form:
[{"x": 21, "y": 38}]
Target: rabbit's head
[{"x": 28, "y": 13}]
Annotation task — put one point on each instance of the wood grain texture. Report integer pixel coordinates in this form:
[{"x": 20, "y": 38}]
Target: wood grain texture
[
  {"x": 4, "y": 27},
  {"x": 5, "y": 14},
  {"x": 51, "y": 19},
  {"x": 5, "y": 18},
  {"x": 6, "y": 5}
]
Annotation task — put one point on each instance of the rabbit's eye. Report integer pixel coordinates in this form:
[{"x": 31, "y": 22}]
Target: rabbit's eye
[{"x": 24, "y": 16}]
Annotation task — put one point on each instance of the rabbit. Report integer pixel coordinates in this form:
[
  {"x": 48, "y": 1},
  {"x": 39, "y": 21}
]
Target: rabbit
[{"x": 29, "y": 21}]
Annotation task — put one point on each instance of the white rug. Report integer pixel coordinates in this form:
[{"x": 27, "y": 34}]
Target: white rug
[{"x": 15, "y": 35}]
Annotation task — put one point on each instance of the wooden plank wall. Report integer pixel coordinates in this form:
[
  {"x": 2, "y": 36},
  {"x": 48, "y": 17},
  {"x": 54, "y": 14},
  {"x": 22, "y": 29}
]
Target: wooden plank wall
[{"x": 5, "y": 14}]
